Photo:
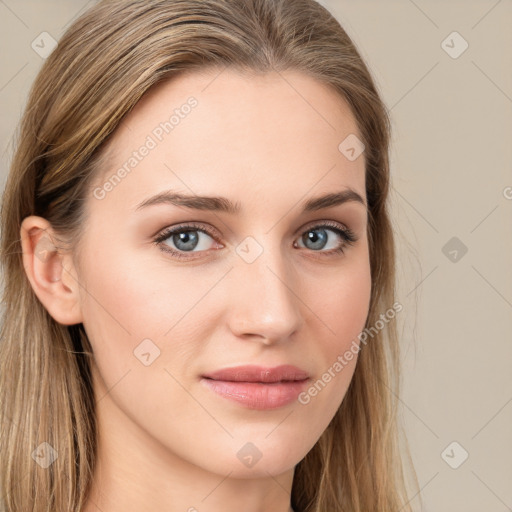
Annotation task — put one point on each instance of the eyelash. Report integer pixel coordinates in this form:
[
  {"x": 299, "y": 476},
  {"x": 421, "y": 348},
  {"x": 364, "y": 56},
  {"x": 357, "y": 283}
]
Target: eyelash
[{"x": 348, "y": 236}]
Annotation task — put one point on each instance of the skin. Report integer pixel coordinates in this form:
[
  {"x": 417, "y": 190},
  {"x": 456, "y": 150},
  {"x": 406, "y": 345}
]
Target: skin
[{"x": 270, "y": 141}]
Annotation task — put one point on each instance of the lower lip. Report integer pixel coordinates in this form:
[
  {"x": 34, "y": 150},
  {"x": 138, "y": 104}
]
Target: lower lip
[{"x": 257, "y": 395}]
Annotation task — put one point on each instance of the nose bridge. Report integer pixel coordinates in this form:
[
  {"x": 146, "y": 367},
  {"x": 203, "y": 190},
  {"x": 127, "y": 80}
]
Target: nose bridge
[{"x": 265, "y": 302}]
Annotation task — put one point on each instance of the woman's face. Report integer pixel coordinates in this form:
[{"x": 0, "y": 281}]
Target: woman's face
[{"x": 266, "y": 286}]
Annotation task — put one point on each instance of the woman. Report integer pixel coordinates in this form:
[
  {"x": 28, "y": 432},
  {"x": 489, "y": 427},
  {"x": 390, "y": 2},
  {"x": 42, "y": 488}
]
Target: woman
[{"x": 199, "y": 268}]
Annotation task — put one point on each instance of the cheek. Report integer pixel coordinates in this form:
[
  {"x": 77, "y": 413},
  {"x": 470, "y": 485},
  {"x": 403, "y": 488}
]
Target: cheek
[
  {"x": 135, "y": 303},
  {"x": 344, "y": 306},
  {"x": 142, "y": 323},
  {"x": 344, "y": 309},
  {"x": 128, "y": 292}
]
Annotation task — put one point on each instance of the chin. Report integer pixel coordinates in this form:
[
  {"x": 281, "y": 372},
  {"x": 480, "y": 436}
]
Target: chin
[
  {"x": 261, "y": 469},
  {"x": 255, "y": 459}
]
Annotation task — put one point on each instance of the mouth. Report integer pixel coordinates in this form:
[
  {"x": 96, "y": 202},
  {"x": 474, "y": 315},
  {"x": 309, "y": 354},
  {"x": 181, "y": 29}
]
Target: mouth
[
  {"x": 252, "y": 373},
  {"x": 257, "y": 387}
]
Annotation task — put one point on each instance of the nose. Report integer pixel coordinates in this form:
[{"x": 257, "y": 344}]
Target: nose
[{"x": 265, "y": 302}]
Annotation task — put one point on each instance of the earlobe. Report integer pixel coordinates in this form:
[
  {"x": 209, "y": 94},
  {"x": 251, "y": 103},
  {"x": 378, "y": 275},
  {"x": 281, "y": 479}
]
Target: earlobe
[{"x": 50, "y": 271}]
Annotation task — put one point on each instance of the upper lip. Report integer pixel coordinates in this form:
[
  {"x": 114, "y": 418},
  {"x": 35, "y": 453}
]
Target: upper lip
[{"x": 252, "y": 373}]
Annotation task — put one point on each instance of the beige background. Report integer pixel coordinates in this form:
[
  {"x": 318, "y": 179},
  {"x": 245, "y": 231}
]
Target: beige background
[{"x": 451, "y": 166}]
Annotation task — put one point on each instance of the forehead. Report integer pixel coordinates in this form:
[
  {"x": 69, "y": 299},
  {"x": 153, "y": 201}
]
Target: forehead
[{"x": 237, "y": 135}]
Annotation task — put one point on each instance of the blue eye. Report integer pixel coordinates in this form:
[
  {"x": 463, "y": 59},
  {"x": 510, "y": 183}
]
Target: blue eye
[
  {"x": 186, "y": 238},
  {"x": 319, "y": 237}
]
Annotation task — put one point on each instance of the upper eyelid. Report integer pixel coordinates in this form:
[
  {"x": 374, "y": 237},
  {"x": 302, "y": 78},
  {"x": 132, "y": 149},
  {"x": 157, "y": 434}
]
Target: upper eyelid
[{"x": 192, "y": 226}]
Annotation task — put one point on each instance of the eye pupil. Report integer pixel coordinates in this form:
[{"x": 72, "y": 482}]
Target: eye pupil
[
  {"x": 318, "y": 240},
  {"x": 181, "y": 240}
]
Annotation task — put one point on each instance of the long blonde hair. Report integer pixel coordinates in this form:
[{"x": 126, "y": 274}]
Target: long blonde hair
[{"x": 105, "y": 62}]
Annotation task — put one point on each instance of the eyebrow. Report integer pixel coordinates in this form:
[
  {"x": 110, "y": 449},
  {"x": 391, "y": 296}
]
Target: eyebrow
[{"x": 223, "y": 204}]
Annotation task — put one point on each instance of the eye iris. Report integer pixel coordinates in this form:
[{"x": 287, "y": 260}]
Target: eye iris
[
  {"x": 183, "y": 238},
  {"x": 315, "y": 238}
]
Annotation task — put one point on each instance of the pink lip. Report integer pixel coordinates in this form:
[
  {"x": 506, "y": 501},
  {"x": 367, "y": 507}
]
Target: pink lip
[
  {"x": 258, "y": 387},
  {"x": 252, "y": 373}
]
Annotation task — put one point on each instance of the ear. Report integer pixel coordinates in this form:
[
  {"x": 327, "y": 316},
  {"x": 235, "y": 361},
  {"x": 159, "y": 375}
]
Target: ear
[{"x": 50, "y": 271}]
